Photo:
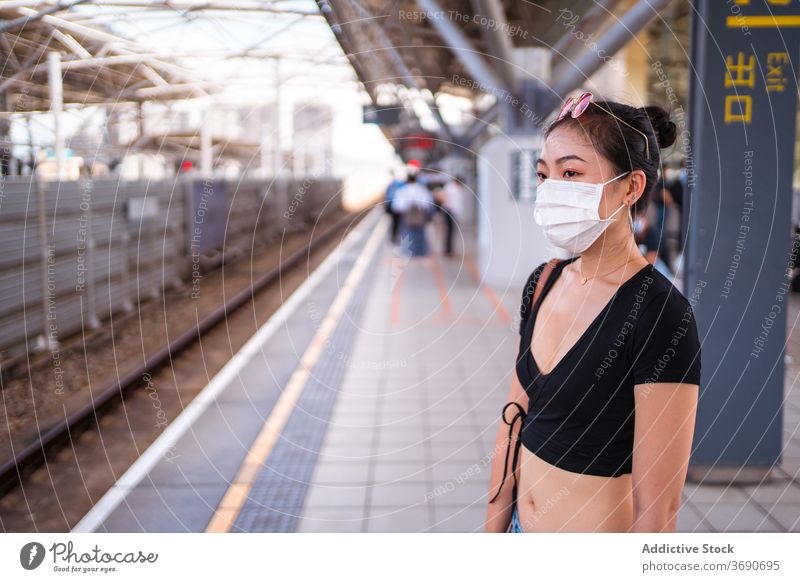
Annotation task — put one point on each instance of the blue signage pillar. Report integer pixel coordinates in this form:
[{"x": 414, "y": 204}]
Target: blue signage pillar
[{"x": 740, "y": 162}]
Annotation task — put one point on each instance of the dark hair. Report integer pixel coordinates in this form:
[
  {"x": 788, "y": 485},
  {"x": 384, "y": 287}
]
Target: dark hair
[
  {"x": 411, "y": 177},
  {"x": 620, "y": 144}
]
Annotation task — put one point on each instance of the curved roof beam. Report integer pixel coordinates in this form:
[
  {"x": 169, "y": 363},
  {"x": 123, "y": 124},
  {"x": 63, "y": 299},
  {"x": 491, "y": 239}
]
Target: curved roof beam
[
  {"x": 498, "y": 42},
  {"x": 34, "y": 16},
  {"x": 461, "y": 47},
  {"x": 622, "y": 31},
  {"x": 188, "y": 5}
]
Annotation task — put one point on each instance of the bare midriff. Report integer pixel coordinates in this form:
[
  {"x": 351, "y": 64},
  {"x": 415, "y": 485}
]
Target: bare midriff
[{"x": 551, "y": 499}]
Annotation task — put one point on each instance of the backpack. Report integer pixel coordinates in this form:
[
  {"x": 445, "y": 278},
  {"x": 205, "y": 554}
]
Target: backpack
[{"x": 415, "y": 216}]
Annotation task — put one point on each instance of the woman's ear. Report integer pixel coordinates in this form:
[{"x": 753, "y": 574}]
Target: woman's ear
[{"x": 635, "y": 186}]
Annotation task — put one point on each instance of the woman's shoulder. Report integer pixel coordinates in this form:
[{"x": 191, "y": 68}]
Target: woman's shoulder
[
  {"x": 536, "y": 273},
  {"x": 533, "y": 279},
  {"x": 527, "y": 294},
  {"x": 662, "y": 288},
  {"x": 661, "y": 303},
  {"x": 665, "y": 343},
  {"x": 530, "y": 287}
]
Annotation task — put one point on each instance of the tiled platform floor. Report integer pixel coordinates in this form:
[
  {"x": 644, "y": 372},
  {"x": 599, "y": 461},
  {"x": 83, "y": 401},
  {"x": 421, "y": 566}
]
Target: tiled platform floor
[{"x": 408, "y": 442}]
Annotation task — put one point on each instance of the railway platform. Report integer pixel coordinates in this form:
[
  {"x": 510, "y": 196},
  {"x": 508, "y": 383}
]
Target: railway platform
[{"x": 369, "y": 403}]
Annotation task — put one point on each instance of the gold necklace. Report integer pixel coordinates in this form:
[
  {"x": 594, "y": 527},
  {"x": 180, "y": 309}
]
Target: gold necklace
[{"x": 585, "y": 279}]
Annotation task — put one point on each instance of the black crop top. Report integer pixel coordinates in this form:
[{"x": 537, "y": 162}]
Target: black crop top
[{"x": 581, "y": 415}]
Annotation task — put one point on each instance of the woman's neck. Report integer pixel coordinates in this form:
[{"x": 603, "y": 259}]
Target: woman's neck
[{"x": 605, "y": 255}]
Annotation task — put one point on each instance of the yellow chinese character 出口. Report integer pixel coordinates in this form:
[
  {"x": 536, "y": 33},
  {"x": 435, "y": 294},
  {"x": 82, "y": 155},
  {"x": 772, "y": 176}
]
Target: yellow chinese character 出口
[{"x": 740, "y": 74}]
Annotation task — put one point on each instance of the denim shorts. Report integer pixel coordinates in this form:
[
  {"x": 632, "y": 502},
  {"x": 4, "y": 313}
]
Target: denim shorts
[{"x": 515, "y": 526}]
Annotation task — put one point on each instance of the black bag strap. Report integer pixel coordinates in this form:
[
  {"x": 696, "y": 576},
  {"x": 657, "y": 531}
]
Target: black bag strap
[{"x": 542, "y": 281}]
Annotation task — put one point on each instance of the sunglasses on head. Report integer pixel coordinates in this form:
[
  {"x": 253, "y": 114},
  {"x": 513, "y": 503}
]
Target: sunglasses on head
[{"x": 575, "y": 106}]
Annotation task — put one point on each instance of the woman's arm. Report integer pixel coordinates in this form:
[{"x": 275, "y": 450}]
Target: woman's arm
[
  {"x": 498, "y": 514},
  {"x": 663, "y": 432}
]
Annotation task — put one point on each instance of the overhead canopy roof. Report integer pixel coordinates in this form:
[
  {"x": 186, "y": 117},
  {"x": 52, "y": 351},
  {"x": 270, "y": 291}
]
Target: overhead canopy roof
[
  {"x": 98, "y": 66},
  {"x": 466, "y": 47},
  {"x": 367, "y": 28}
]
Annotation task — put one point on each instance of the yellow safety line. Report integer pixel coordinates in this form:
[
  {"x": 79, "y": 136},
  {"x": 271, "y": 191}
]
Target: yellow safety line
[
  {"x": 233, "y": 501},
  {"x": 762, "y": 21}
]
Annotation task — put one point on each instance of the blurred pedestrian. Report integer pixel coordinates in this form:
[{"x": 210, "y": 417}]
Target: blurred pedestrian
[
  {"x": 414, "y": 203},
  {"x": 452, "y": 201},
  {"x": 675, "y": 184},
  {"x": 655, "y": 236},
  {"x": 391, "y": 190},
  {"x": 643, "y": 238}
]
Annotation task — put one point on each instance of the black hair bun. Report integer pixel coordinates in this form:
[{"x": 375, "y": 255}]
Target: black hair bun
[{"x": 666, "y": 130}]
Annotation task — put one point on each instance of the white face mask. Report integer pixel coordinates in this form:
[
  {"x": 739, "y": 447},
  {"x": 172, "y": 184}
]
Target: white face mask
[{"x": 568, "y": 211}]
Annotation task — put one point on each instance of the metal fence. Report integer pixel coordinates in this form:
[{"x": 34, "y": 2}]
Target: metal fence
[{"x": 72, "y": 253}]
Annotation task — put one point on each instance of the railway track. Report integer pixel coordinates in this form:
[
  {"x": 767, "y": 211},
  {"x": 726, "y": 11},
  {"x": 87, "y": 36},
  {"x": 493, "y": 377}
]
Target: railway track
[{"x": 186, "y": 363}]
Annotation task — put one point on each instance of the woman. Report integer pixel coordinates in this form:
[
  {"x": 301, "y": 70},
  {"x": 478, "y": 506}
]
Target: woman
[{"x": 600, "y": 416}]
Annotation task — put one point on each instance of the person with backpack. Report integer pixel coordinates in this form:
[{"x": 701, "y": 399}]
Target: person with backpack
[{"x": 414, "y": 203}]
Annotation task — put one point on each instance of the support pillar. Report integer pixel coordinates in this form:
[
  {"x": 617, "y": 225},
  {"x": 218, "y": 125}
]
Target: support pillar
[
  {"x": 56, "y": 107},
  {"x": 740, "y": 161}
]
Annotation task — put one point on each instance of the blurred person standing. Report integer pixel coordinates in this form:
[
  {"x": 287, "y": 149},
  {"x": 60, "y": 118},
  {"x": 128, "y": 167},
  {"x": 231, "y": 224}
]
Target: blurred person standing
[
  {"x": 453, "y": 198},
  {"x": 391, "y": 190},
  {"x": 675, "y": 178},
  {"x": 641, "y": 227},
  {"x": 655, "y": 236},
  {"x": 414, "y": 203}
]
